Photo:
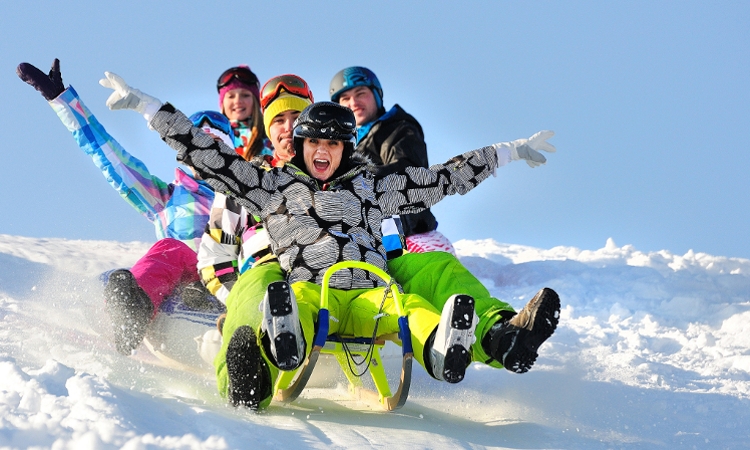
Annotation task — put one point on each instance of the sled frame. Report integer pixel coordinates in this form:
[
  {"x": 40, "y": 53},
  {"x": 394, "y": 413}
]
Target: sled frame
[{"x": 288, "y": 388}]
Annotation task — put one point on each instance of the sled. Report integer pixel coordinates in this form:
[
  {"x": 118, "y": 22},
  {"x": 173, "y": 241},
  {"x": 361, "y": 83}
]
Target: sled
[
  {"x": 290, "y": 384},
  {"x": 183, "y": 338},
  {"x": 180, "y": 337}
]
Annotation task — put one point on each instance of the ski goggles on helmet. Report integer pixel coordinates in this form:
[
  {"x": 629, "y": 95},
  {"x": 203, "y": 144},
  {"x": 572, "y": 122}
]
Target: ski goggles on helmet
[
  {"x": 242, "y": 74},
  {"x": 326, "y": 120},
  {"x": 213, "y": 119},
  {"x": 214, "y": 123},
  {"x": 289, "y": 83}
]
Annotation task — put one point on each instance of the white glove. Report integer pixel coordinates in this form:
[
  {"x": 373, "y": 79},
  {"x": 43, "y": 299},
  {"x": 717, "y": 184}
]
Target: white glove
[
  {"x": 125, "y": 97},
  {"x": 528, "y": 149}
]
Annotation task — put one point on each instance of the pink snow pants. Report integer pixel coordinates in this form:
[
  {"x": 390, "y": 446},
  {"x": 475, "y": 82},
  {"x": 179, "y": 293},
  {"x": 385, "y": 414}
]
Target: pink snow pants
[{"x": 167, "y": 265}]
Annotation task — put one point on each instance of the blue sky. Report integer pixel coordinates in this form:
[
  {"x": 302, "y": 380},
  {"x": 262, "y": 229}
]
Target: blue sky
[{"x": 649, "y": 101}]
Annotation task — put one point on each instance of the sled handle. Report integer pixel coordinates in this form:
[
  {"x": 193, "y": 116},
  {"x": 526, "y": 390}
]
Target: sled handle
[
  {"x": 358, "y": 265},
  {"x": 323, "y": 314}
]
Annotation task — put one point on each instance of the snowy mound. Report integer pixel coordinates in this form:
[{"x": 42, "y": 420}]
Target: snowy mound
[{"x": 653, "y": 350}]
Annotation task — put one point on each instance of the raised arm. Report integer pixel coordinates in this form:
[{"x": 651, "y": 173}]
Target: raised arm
[
  {"x": 217, "y": 163},
  {"x": 127, "y": 174},
  {"x": 417, "y": 188}
]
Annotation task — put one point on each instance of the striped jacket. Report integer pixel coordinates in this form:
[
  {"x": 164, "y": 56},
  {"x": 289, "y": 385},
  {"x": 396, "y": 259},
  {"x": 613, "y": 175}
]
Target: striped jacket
[
  {"x": 234, "y": 242},
  {"x": 311, "y": 227},
  {"x": 178, "y": 210}
]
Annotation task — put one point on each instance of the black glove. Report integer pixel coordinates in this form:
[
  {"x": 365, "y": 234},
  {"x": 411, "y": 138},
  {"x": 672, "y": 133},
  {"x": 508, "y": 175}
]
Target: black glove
[{"x": 50, "y": 86}]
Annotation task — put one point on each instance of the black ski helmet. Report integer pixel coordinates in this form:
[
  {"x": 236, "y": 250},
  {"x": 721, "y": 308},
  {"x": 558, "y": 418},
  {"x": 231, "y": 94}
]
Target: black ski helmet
[
  {"x": 325, "y": 120},
  {"x": 352, "y": 77}
]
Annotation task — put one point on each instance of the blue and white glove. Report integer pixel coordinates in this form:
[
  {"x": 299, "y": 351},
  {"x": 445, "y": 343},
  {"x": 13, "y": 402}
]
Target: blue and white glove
[
  {"x": 126, "y": 97},
  {"x": 526, "y": 149}
]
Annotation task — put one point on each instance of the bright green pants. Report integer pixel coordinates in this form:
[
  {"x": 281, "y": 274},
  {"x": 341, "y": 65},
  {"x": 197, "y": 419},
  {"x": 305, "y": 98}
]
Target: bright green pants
[
  {"x": 352, "y": 313},
  {"x": 435, "y": 276},
  {"x": 242, "y": 309}
]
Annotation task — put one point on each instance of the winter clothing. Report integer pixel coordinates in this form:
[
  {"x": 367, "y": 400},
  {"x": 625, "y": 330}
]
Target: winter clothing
[
  {"x": 396, "y": 141},
  {"x": 242, "y": 309},
  {"x": 178, "y": 210},
  {"x": 243, "y": 136},
  {"x": 234, "y": 241},
  {"x": 353, "y": 310},
  {"x": 347, "y": 211},
  {"x": 437, "y": 276},
  {"x": 236, "y": 265},
  {"x": 50, "y": 86},
  {"x": 232, "y": 233},
  {"x": 167, "y": 265},
  {"x": 284, "y": 102}
]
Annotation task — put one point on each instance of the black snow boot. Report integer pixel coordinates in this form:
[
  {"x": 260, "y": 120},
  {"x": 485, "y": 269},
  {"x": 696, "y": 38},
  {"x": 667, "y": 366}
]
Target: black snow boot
[
  {"x": 129, "y": 308},
  {"x": 249, "y": 376},
  {"x": 450, "y": 345},
  {"x": 514, "y": 342},
  {"x": 282, "y": 326}
]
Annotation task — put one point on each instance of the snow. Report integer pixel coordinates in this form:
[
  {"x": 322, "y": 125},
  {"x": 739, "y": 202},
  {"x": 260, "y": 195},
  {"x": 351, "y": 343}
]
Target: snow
[{"x": 652, "y": 351}]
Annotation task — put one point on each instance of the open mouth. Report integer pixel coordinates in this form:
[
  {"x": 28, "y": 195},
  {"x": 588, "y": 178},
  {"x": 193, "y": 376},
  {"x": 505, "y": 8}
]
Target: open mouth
[{"x": 321, "y": 164}]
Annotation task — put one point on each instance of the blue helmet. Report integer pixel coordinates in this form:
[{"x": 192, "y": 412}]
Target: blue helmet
[
  {"x": 215, "y": 123},
  {"x": 352, "y": 77}
]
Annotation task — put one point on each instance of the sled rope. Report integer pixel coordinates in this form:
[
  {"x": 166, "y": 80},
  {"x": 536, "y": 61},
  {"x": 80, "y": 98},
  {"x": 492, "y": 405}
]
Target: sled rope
[{"x": 367, "y": 358}]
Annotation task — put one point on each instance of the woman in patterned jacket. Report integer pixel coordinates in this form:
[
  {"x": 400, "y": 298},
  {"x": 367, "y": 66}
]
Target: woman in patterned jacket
[{"x": 327, "y": 206}]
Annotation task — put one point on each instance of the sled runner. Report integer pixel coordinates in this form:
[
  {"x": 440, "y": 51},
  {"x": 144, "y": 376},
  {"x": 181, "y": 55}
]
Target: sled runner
[{"x": 346, "y": 348}]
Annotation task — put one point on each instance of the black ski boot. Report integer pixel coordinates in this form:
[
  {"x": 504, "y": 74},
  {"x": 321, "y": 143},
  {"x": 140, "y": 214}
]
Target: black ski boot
[
  {"x": 129, "y": 308},
  {"x": 282, "y": 326},
  {"x": 450, "y": 349},
  {"x": 514, "y": 342},
  {"x": 249, "y": 377}
]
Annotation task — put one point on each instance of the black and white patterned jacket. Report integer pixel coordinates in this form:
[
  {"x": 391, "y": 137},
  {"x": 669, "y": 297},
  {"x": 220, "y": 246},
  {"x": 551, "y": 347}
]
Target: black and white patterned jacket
[{"x": 312, "y": 225}]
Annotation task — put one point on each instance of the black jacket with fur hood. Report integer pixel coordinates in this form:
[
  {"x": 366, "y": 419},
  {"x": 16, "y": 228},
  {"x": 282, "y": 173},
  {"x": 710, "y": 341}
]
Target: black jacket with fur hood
[{"x": 312, "y": 225}]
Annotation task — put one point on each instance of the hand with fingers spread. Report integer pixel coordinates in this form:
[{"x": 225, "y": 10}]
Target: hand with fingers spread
[
  {"x": 49, "y": 85},
  {"x": 126, "y": 97},
  {"x": 527, "y": 149}
]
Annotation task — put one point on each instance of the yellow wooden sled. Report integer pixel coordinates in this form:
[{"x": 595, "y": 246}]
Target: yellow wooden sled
[{"x": 290, "y": 384}]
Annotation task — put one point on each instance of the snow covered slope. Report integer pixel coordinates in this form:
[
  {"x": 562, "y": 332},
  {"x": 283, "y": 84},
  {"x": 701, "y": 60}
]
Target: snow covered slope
[{"x": 653, "y": 350}]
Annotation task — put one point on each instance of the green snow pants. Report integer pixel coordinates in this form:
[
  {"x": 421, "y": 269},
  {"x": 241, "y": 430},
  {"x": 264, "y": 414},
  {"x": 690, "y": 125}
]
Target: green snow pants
[
  {"x": 242, "y": 309},
  {"x": 353, "y": 311},
  {"x": 435, "y": 276}
]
